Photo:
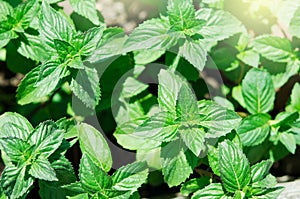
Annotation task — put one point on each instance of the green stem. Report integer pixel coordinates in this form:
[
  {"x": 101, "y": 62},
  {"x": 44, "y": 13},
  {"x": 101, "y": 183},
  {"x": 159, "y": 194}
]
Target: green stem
[{"x": 175, "y": 62}]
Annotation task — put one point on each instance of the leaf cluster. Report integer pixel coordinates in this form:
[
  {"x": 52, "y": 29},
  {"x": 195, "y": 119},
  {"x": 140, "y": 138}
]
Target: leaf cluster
[{"x": 233, "y": 128}]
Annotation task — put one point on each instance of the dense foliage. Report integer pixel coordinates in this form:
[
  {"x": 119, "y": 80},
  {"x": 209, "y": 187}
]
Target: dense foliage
[{"x": 154, "y": 93}]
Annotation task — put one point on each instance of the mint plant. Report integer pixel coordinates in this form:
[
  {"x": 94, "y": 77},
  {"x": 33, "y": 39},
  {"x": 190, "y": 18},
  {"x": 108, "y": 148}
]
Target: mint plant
[
  {"x": 239, "y": 180},
  {"x": 31, "y": 154},
  {"x": 67, "y": 57},
  {"x": 204, "y": 101},
  {"x": 180, "y": 130},
  {"x": 193, "y": 32}
]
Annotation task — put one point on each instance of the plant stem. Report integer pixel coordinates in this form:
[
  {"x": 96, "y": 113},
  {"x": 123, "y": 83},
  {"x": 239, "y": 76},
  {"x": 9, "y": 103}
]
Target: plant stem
[{"x": 175, "y": 62}]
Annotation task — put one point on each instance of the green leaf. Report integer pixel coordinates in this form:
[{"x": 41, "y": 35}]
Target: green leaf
[
  {"x": 295, "y": 128},
  {"x": 268, "y": 182},
  {"x": 249, "y": 57},
  {"x": 6, "y": 36},
  {"x": 3, "y": 42},
  {"x": 74, "y": 189},
  {"x": 132, "y": 87},
  {"x": 14, "y": 181},
  {"x": 151, "y": 156},
  {"x": 292, "y": 68},
  {"x": 53, "y": 1},
  {"x": 2, "y": 195},
  {"x": 295, "y": 96},
  {"x": 212, "y": 191},
  {"x": 243, "y": 42},
  {"x": 260, "y": 170},
  {"x": 26, "y": 12},
  {"x": 289, "y": 141},
  {"x": 218, "y": 120},
  {"x": 86, "y": 86},
  {"x": 273, "y": 48},
  {"x": 111, "y": 44},
  {"x": 91, "y": 40},
  {"x": 40, "y": 82},
  {"x": 63, "y": 49},
  {"x": 295, "y": 23},
  {"x": 16, "y": 149},
  {"x": 195, "y": 53},
  {"x": 50, "y": 190},
  {"x": 193, "y": 137},
  {"x": 125, "y": 135},
  {"x": 130, "y": 177},
  {"x": 153, "y": 34},
  {"x": 33, "y": 48},
  {"x": 41, "y": 169},
  {"x": 238, "y": 96},
  {"x": 129, "y": 111},
  {"x": 186, "y": 105},
  {"x": 219, "y": 25},
  {"x": 254, "y": 129},
  {"x": 52, "y": 70},
  {"x": 168, "y": 89},
  {"x": 269, "y": 193},
  {"x": 80, "y": 196},
  {"x": 14, "y": 125},
  {"x": 6, "y": 9},
  {"x": 258, "y": 91},
  {"x": 176, "y": 163},
  {"x": 65, "y": 174},
  {"x": 194, "y": 185},
  {"x": 87, "y": 9},
  {"x": 284, "y": 119},
  {"x": 46, "y": 138},
  {"x": 93, "y": 143},
  {"x": 213, "y": 159},
  {"x": 114, "y": 194},
  {"x": 160, "y": 127},
  {"x": 144, "y": 57},
  {"x": 222, "y": 101},
  {"x": 75, "y": 62},
  {"x": 181, "y": 14},
  {"x": 53, "y": 25},
  {"x": 234, "y": 167},
  {"x": 64, "y": 170},
  {"x": 239, "y": 195},
  {"x": 93, "y": 179}
]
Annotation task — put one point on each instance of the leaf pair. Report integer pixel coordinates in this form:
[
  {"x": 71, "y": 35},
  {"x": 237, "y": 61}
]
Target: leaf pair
[{"x": 258, "y": 96}]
